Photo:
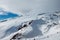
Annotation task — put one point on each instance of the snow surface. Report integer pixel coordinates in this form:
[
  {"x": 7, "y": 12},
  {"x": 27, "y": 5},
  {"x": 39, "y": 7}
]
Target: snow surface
[
  {"x": 44, "y": 27},
  {"x": 44, "y": 18}
]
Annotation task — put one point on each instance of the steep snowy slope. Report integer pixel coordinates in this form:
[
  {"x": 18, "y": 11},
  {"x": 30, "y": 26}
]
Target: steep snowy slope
[
  {"x": 40, "y": 27},
  {"x": 40, "y": 20}
]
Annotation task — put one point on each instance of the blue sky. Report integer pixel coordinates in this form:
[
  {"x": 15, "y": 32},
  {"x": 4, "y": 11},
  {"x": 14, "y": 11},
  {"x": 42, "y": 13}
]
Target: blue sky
[
  {"x": 25, "y": 6},
  {"x": 8, "y": 15}
]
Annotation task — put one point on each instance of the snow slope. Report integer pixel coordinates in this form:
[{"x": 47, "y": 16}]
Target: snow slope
[
  {"x": 43, "y": 27},
  {"x": 40, "y": 20}
]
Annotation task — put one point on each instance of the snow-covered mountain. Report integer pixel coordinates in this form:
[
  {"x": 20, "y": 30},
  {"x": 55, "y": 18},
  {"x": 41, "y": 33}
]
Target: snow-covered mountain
[
  {"x": 30, "y": 20},
  {"x": 42, "y": 26}
]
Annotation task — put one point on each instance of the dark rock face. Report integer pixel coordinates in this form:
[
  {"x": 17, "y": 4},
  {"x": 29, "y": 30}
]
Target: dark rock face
[
  {"x": 35, "y": 26},
  {"x": 34, "y": 32},
  {"x": 19, "y": 35},
  {"x": 25, "y": 25},
  {"x": 16, "y": 36}
]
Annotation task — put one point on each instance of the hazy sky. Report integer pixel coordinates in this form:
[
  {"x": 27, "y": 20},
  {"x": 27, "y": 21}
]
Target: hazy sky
[{"x": 25, "y": 6}]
